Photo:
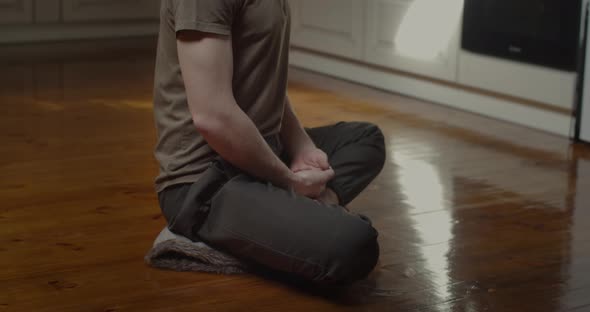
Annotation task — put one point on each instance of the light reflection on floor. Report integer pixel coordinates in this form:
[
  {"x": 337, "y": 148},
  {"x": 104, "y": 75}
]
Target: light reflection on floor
[{"x": 422, "y": 187}]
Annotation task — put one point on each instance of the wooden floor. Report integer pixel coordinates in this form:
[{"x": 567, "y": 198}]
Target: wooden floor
[{"x": 473, "y": 214}]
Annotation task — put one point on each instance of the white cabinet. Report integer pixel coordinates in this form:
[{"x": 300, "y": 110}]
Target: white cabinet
[
  {"x": 331, "y": 26},
  {"x": 50, "y": 20},
  {"x": 106, "y": 10},
  {"x": 540, "y": 84},
  {"x": 415, "y": 36},
  {"x": 54, "y": 11},
  {"x": 47, "y": 11},
  {"x": 16, "y": 11},
  {"x": 585, "y": 118}
]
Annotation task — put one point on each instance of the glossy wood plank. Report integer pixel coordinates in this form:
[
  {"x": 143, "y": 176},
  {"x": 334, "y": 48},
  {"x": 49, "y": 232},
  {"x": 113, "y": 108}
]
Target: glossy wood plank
[{"x": 474, "y": 214}]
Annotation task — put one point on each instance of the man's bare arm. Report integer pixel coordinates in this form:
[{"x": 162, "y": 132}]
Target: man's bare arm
[
  {"x": 206, "y": 62},
  {"x": 292, "y": 133},
  {"x": 298, "y": 145}
]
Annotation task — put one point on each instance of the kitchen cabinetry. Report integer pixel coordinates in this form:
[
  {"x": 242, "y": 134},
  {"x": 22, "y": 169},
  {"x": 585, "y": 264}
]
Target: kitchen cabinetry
[
  {"x": 380, "y": 32},
  {"x": 412, "y": 47},
  {"x": 585, "y": 118},
  {"x": 413, "y": 36},
  {"x": 48, "y": 20},
  {"x": 16, "y": 11},
  {"x": 330, "y": 26},
  {"x": 107, "y": 10}
]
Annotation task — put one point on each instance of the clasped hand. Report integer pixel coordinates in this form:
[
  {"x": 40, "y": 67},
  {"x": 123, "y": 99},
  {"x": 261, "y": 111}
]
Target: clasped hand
[{"x": 312, "y": 172}]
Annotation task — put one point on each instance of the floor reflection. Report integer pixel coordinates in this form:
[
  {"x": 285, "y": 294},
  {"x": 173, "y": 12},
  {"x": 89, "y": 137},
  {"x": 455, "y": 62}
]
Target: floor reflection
[
  {"x": 485, "y": 233},
  {"x": 426, "y": 189},
  {"x": 473, "y": 215},
  {"x": 53, "y": 86}
]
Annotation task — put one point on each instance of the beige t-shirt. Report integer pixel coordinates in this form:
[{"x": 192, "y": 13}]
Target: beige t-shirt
[{"x": 259, "y": 31}]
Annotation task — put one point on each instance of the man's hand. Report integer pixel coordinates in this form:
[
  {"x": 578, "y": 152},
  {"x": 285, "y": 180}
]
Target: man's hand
[
  {"x": 309, "y": 164},
  {"x": 310, "y": 159},
  {"x": 312, "y": 183}
]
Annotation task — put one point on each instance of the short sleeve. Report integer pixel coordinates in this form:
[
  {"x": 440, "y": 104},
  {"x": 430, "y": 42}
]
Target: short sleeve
[{"x": 212, "y": 16}]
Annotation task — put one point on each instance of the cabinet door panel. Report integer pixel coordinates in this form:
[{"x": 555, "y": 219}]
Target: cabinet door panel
[
  {"x": 416, "y": 36},
  {"x": 16, "y": 11},
  {"x": 585, "y": 129},
  {"x": 102, "y": 10},
  {"x": 330, "y": 26},
  {"x": 47, "y": 11}
]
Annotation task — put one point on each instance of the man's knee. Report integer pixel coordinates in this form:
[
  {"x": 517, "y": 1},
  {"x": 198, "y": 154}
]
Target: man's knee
[
  {"x": 373, "y": 136},
  {"x": 355, "y": 255}
]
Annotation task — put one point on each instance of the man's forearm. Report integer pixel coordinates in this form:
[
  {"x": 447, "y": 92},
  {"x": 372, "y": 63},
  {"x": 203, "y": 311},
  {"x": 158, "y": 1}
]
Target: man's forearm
[
  {"x": 236, "y": 139},
  {"x": 206, "y": 61},
  {"x": 293, "y": 136}
]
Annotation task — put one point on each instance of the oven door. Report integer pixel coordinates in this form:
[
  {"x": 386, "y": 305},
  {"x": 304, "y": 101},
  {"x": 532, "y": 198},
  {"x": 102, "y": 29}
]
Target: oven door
[{"x": 543, "y": 32}]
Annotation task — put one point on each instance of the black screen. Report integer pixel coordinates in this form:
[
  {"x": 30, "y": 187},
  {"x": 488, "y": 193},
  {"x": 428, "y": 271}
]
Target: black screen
[
  {"x": 527, "y": 18},
  {"x": 544, "y": 32}
]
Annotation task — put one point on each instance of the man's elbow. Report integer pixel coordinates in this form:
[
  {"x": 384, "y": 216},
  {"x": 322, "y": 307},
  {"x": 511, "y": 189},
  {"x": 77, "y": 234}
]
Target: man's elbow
[{"x": 210, "y": 123}]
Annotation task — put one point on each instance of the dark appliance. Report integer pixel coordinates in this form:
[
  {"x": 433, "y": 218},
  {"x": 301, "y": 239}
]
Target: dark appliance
[{"x": 542, "y": 32}]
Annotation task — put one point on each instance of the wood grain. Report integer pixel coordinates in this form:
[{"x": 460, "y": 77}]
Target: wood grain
[{"x": 474, "y": 214}]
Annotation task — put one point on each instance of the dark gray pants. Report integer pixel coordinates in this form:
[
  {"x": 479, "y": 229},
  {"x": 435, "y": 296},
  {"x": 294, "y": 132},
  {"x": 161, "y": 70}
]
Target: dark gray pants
[{"x": 279, "y": 230}]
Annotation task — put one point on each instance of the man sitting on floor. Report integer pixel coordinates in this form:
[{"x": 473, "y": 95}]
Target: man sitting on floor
[{"x": 237, "y": 170}]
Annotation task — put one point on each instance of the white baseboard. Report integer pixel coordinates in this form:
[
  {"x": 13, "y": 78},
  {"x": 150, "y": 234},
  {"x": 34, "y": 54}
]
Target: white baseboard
[
  {"x": 503, "y": 109},
  {"x": 60, "y": 32}
]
